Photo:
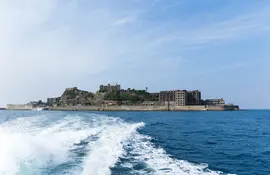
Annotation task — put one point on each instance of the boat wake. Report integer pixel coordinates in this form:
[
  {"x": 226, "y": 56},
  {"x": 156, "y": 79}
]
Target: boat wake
[{"x": 87, "y": 145}]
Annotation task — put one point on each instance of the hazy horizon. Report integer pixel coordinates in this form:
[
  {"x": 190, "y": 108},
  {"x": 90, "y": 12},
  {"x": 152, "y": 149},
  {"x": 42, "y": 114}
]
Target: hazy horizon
[{"x": 218, "y": 47}]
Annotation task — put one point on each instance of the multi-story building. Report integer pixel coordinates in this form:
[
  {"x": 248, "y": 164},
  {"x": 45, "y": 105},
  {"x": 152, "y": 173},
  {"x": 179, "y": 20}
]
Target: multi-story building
[
  {"x": 194, "y": 97},
  {"x": 176, "y": 97},
  {"x": 109, "y": 88},
  {"x": 181, "y": 98},
  {"x": 214, "y": 102},
  {"x": 166, "y": 96},
  {"x": 51, "y": 101}
]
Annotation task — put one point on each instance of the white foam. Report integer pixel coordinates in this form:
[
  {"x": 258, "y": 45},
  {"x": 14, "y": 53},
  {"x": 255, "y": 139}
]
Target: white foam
[
  {"x": 26, "y": 146},
  {"x": 160, "y": 162},
  {"x": 105, "y": 153}
]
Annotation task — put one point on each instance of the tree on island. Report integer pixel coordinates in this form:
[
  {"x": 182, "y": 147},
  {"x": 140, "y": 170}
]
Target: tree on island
[{"x": 134, "y": 96}]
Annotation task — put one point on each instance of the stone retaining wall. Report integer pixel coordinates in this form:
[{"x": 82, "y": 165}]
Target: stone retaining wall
[
  {"x": 132, "y": 108},
  {"x": 139, "y": 108}
]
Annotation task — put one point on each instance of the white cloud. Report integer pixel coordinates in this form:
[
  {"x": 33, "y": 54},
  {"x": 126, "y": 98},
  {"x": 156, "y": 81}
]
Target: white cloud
[{"x": 124, "y": 20}]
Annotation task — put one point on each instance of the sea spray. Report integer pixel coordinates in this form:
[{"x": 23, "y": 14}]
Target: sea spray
[
  {"x": 84, "y": 143},
  {"x": 108, "y": 148}
]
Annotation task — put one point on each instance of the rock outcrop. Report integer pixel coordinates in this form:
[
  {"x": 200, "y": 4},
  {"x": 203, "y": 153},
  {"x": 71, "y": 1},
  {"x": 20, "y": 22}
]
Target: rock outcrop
[{"x": 74, "y": 97}]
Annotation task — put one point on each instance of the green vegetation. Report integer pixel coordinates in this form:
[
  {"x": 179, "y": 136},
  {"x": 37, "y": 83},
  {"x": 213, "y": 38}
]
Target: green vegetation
[
  {"x": 70, "y": 94},
  {"x": 112, "y": 96},
  {"x": 134, "y": 96}
]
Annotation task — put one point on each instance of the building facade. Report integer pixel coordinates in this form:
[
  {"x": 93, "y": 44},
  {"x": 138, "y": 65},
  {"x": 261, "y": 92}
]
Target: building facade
[
  {"x": 109, "y": 88},
  {"x": 214, "y": 102},
  {"x": 194, "y": 97},
  {"x": 181, "y": 98},
  {"x": 176, "y": 97},
  {"x": 51, "y": 101},
  {"x": 166, "y": 96}
]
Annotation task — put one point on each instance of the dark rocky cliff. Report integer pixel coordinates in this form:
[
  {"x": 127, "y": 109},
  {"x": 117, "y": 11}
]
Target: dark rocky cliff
[{"x": 74, "y": 96}]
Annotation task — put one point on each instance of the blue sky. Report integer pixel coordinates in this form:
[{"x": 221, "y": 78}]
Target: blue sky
[{"x": 219, "y": 47}]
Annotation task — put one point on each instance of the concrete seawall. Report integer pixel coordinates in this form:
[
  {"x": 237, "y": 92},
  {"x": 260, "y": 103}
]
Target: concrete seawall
[
  {"x": 18, "y": 107},
  {"x": 131, "y": 108},
  {"x": 149, "y": 108}
]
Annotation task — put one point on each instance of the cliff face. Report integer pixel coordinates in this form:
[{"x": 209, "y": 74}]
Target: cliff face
[{"x": 74, "y": 96}]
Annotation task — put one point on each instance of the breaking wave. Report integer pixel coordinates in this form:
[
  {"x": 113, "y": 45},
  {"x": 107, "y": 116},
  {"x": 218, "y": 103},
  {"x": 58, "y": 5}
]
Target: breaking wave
[{"x": 87, "y": 145}]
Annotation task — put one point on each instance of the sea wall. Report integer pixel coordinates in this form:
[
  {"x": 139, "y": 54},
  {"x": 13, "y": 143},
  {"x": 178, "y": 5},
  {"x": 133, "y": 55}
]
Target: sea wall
[
  {"x": 131, "y": 108},
  {"x": 114, "y": 108},
  {"x": 222, "y": 108},
  {"x": 188, "y": 108},
  {"x": 146, "y": 108},
  {"x": 18, "y": 107}
]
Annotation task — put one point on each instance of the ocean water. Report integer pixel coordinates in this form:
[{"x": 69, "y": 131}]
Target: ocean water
[{"x": 134, "y": 143}]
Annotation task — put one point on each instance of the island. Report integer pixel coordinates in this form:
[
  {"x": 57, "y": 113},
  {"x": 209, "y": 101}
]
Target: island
[{"x": 113, "y": 98}]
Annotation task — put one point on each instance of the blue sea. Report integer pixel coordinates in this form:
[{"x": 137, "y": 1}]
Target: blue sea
[{"x": 134, "y": 143}]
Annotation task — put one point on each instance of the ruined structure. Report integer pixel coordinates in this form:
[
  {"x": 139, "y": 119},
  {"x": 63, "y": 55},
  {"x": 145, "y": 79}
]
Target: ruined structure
[
  {"x": 214, "y": 102},
  {"x": 180, "y": 97},
  {"x": 194, "y": 97},
  {"x": 109, "y": 88}
]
